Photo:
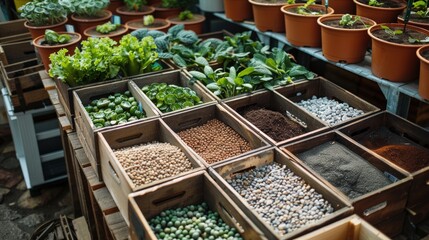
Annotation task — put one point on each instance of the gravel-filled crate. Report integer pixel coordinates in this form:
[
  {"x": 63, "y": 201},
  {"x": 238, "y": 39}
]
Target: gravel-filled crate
[
  {"x": 279, "y": 195},
  {"x": 376, "y": 189},
  {"x": 142, "y": 155},
  {"x": 185, "y": 192},
  {"x": 328, "y": 101},
  {"x": 399, "y": 142},
  {"x": 275, "y": 118},
  {"x": 214, "y": 134},
  {"x": 179, "y": 79},
  {"x": 85, "y": 128}
]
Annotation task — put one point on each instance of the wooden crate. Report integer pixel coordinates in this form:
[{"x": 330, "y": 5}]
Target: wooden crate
[
  {"x": 181, "y": 192},
  {"x": 321, "y": 87},
  {"x": 196, "y": 117},
  {"x": 13, "y": 31},
  {"x": 114, "y": 175},
  {"x": 351, "y": 228},
  {"x": 86, "y": 130},
  {"x": 65, "y": 92},
  {"x": 226, "y": 170},
  {"x": 273, "y": 101},
  {"x": 21, "y": 75},
  {"x": 411, "y": 134},
  {"x": 374, "y": 206},
  {"x": 392, "y": 226},
  {"x": 17, "y": 52},
  {"x": 177, "y": 78}
]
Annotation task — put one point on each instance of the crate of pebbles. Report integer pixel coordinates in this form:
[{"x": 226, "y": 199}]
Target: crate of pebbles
[
  {"x": 328, "y": 101},
  {"x": 87, "y": 130},
  {"x": 275, "y": 118},
  {"x": 402, "y": 143},
  {"x": 142, "y": 155},
  {"x": 189, "y": 207},
  {"x": 214, "y": 134},
  {"x": 279, "y": 195},
  {"x": 171, "y": 92},
  {"x": 376, "y": 189}
]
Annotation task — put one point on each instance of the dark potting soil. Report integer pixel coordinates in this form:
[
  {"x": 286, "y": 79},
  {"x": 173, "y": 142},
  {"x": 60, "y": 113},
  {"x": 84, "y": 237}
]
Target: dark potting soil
[
  {"x": 426, "y": 55},
  {"x": 400, "y": 38},
  {"x": 274, "y": 124},
  {"x": 336, "y": 24},
  {"x": 414, "y": 17},
  {"x": 344, "y": 169},
  {"x": 386, "y": 3}
]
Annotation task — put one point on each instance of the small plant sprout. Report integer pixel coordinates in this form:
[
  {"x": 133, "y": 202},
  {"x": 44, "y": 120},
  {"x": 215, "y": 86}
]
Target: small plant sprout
[
  {"x": 185, "y": 15},
  {"x": 107, "y": 27},
  {"x": 392, "y": 33},
  {"x": 348, "y": 20},
  {"x": 375, "y": 3},
  {"x": 52, "y": 38},
  {"x": 290, "y": 1},
  {"x": 304, "y": 10},
  {"x": 148, "y": 20}
]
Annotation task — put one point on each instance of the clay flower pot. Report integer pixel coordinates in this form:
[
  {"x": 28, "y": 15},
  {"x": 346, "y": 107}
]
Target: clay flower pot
[
  {"x": 195, "y": 24},
  {"x": 158, "y": 24},
  {"x": 419, "y": 22},
  {"x": 268, "y": 16},
  {"x": 46, "y": 50},
  {"x": 244, "y": 13},
  {"x": 127, "y": 15},
  {"x": 164, "y": 13},
  {"x": 82, "y": 23},
  {"x": 115, "y": 35},
  {"x": 423, "y": 55},
  {"x": 379, "y": 14},
  {"x": 342, "y": 6},
  {"x": 341, "y": 44},
  {"x": 303, "y": 30},
  {"x": 36, "y": 31},
  {"x": 393, "y": 61}
]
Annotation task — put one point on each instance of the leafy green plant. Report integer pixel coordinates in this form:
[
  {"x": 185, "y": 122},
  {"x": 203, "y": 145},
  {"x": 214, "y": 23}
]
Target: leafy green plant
[
  {"x": 186, "y": 15},
  {"x": 393, "y": 33},
  {"x": 148, "y": 20},
  {"x": 89, "y": 8},
  {"x": 53, "y": 38},
  {"x": 107, "y": 27},
  {"x": 306, "y": 10},
  {"x": 135, "y": 5},
  {"x": 43, "y": 12},
  {"x": 375, "y": 3},
  {"x": 349, "y": 21}
]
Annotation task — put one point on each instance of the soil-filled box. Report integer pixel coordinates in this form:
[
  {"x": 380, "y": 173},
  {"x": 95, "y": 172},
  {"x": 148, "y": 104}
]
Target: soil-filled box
[
  {"x": 87, "y": 130},
  {"x": 377, "y": 190},
  {"x": 187, "y": 191},
  {"x": 275, "y": 118},
  {"x": 116, "y": 146},
  {"x": 176, "y": 78},
  {"x": 278, "y": 195},
  {"x": 399, "y": 142},
  {"x": 328, "y": 101},
  {"x": 214, "y": 135},
  {"x": 351, "y": 228}
]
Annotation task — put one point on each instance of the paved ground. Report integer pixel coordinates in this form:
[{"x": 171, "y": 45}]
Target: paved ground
[{"x": 20, "y": 213}]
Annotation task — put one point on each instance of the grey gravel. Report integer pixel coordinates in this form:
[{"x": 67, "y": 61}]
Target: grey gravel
[
  {"x": 282, "y": 198},
  {"x": 330, "y": 110},
  {"x": 32, "y": 220}
]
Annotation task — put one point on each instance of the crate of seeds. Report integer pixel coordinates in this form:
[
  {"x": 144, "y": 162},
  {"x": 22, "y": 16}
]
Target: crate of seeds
[
  {"x": 142, "y": 155},
  {"x": 399, "y": 142},
  {"x": 377, "y": 190},
  {"x": 104, "y": 107},
  {"x": 275, "y": 118},
  {"x": 278, "y": 195},
  {"x": 214, "y": 134},
  {"x": 328, "y": 101},
  {"x": 190, "y": 207}
]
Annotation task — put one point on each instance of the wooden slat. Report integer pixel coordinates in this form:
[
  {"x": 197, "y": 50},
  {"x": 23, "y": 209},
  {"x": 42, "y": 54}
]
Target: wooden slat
[
  {"x": 65, "y": 123},
  {"x": 81, "y": 229},
  {"x": 117, "y": 226},
  {"x": 82, "y": 158},
  {"x": 105, "y": 201},
  {"x": 48, "y": 83}
]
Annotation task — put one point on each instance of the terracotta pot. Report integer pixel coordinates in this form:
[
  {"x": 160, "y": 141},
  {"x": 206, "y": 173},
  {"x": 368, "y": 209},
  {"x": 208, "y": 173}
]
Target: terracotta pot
[
  {"x": 379, "y": 14},
  {"x": 268, "y": 16},
  {"x": 424, "y": 72},
  {"x": 303, "y": 30},
  {"x": 342, "y": 6},
  {"x": 344, "y": 44},
  {"x": 115, "y": 35},
  {"x": 114, "y": 4},
  {"x": 82, "y": 23},
  {"x": 36, "y": 31},
  {"x": 164, "y": 13},
  {"x": 46, "y": 50},
  {"x": 196, "y": 24},
  {"x": 159, "y": 24},
  {"x": 392, "y": 61},
  {"x": 231, "y": 12},
  {"x": 424, "y": 25},
  {"x": 132, "y": 15}
]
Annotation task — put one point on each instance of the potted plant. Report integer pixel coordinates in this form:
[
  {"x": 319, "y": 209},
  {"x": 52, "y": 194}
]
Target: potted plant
[
  {"x": 169, "y": 8},
  {"x": 53, "y": 41},
  {"x": 423, "y": 55},
  {"x": 344, "y": 37},
  {"x": 419, "y": 15},
  {"x": 190, "y": 20},
  {"x": 134, "y": 9},
  {"x": 381, "y": 11},
  {"x": 212, "y": 5},
  {"x": 42, "y": 15},
  {"x": 114, "y": 4},
  {"x": 267, "y": 14},
  {"x": 301, "y": 23},
  {"x": 341, "y": 6},
  {"x": 148, "y": 22},
  {"x": 108, "y": 29},
  {"x": 231, "y": 12},
  {"x": 88, "y": 13}
]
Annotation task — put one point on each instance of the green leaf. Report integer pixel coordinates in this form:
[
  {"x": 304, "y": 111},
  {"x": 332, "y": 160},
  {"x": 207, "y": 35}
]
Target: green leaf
[
  {"x": 179, "y": 60},
  {"x": 212, "y": 86},
  {"x": 246, "y": 72},
  {"x": 230, "y": 80},
  {"x": 238, "y": 81},
  {"x": 268, "y": 86},
  {"x": 197, "y": 75},
  {"x": 232, "y": 73},
  {"x": 208, "y": 71},
  {"x": 201, "y": 61},
  {"x": 247, "y": 85}
]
